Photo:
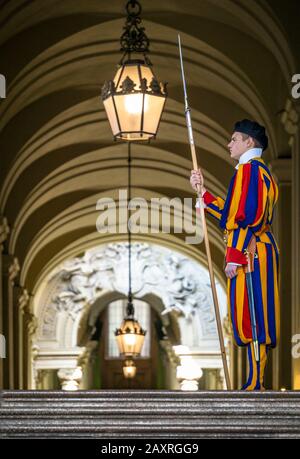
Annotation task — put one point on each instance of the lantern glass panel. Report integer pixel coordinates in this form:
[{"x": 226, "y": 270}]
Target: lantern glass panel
[
  {"x": 155, "y": 106},
  {"x": 129, "y": 112},
  {"x": 111, "y": 115}
]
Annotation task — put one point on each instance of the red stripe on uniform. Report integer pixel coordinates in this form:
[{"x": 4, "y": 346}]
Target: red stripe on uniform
[
  {"x": 234, "y": 255},
  {"x": 240, "y": 215},
  {"x": 208, "y": 198}
]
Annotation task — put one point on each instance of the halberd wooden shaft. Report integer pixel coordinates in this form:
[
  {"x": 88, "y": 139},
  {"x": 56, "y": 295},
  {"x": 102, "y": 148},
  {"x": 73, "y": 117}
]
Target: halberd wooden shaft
[{"x": 205, "y": 232}]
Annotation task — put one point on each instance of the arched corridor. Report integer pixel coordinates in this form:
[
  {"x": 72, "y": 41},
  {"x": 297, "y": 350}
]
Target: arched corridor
[{"x": 58, "y": 159}]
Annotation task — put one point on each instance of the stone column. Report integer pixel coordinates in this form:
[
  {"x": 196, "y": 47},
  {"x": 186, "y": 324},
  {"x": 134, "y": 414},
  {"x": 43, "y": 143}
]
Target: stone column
[
  {"x": 215, "y": 380},
  {"x": 85, "y": 362},
  {"x": 171, "y": 362},
  {"x": 4, "y": 231},
  {"x": 290, "y": 121},
  {"x": 281, "y": 356},
  {"x": 70, "y": 378},
  {"x": 17, "y": 343},
  {"x": 23, "y": 301},
  {"x": 296, "y": 254},
  {"x": 31, "y": 349},
  {"x": 11, "y": 269},
  {"x": 39, "y": 379},
  {"x": 33, "y": 376}
]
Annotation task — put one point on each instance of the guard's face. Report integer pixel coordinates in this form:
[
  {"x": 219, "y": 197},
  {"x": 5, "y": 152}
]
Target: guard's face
[{"x": 237, "y": 145}]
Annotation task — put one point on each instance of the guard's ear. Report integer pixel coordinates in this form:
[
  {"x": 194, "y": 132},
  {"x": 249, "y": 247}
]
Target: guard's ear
[{"x": 251, "y": 141}]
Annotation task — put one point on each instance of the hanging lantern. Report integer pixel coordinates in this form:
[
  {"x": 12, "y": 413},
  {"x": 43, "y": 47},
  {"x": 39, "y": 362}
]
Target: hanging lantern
[
  {"x": 130, "y": 336},
  {"x": 129, "y": 369},
  {"x": 134, "y": 100}
]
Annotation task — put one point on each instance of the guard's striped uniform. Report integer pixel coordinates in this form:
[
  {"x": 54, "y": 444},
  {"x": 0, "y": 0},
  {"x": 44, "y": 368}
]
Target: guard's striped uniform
[{"x": 247, "y": 210}]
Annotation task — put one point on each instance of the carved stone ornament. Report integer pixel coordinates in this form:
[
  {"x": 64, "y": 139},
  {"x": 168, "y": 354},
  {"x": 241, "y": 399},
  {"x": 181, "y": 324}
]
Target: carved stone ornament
[
  {"x": 31, "y": 323},
  {"x": 13, "y": 269},
  {"x": 23, "y": 301},
  {"x": 30, "y": 320},
  {"x": 4, "y": 229},
  {"x": 182, "y": 284}
]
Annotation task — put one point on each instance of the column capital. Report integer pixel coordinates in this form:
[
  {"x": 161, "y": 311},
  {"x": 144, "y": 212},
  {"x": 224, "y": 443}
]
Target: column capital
[
  {"x": 4, "y": 229},
  {"x": 11, "y": 266},
  {"x": 31, "y": 322},
  {"x": 23, "y": 300},
  {"x": 13, "y": 269}
]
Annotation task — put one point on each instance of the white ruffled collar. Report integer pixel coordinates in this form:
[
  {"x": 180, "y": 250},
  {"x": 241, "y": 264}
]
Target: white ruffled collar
[{"x": 249, "y": 154}]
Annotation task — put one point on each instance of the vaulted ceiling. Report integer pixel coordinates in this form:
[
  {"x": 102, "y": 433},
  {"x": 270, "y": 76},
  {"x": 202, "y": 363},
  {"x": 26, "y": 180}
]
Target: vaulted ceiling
[{"x": 57, "y": 154}]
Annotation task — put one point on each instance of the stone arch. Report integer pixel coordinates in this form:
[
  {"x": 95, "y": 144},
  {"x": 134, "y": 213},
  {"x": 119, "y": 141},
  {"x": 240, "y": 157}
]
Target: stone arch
[
  {"x": 78, "y": 289},
  {"x": 53, "y": 105},
  {"x": 75, "y": 127}
]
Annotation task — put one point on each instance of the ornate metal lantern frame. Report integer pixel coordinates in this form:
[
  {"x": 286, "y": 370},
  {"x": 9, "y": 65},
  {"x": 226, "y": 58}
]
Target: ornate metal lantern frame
[{"x": 134, "y": 100}]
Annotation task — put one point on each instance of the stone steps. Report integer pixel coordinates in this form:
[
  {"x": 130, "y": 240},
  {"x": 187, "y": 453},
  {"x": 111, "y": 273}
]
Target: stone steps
[{"x": 149, "y": 414}]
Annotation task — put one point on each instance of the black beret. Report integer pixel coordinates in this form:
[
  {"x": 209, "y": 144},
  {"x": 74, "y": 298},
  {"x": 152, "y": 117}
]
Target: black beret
[{"x": 253, "y": 129}]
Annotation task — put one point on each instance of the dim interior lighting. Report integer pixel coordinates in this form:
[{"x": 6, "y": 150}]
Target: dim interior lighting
[
  {"x": 129, "y": 369},
  {"x": 130, "y": 336}
]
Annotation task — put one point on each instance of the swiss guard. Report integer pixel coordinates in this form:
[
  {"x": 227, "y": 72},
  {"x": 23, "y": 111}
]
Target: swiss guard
[{"x": 252, "y": 254}]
